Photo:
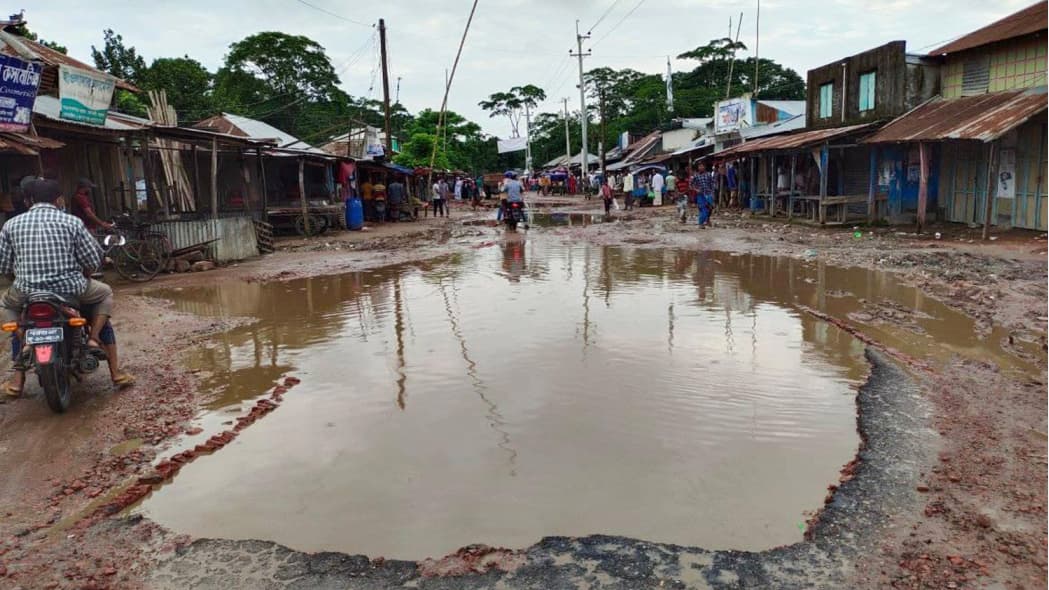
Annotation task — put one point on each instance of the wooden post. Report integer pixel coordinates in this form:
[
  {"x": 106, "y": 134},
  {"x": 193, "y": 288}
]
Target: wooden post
[
  {"x": 302, "y": 197},
  {"x": 262, "y": 179},
  {"x": 824, "y": 174},
  {"x": 992, "y": 185},
  {"x": 771, "y": 206},
  {"x": 196, "y": 179},
  {"x": 214, "y": 178},
  {"x": 790, "y": 186},
  {"x": 923, "y": 183},
  {"x": 872, "y": 188},
  {"x": 753, "y": 181}
]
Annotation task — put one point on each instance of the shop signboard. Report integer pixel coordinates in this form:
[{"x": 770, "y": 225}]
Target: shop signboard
[
  {"x": 732, "y": 115},
  {"x": 19, "y": 81},
  {"x": 84, "y": 95}
]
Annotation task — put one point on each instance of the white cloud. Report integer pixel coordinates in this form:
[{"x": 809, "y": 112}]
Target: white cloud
[{"x": 511, "y": 42}]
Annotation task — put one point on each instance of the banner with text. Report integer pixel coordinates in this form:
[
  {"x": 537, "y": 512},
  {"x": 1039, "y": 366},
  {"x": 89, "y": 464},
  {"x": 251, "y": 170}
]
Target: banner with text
[
  {"x": 513, "y": 144},
  {"x": 84, "y": 95},
  {"x": 19, "y": 81}
]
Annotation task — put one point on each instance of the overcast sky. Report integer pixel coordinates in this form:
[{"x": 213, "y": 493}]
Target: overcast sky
[{"x": 511, "y": 42}]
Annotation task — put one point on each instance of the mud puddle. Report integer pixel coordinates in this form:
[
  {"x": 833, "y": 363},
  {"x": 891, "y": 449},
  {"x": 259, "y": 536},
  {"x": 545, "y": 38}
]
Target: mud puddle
[{"x": 532, "y": 389}]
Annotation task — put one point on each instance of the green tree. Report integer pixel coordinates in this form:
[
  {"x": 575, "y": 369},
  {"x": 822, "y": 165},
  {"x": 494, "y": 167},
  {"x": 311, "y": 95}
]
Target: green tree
[
  {"x": 512, "y": 104},
  {"x": 187, "y": 84},
  {"x": 118, "y": 59},
  {"x": 285, "y": 80},
  {"x": 125, "y": 63}
]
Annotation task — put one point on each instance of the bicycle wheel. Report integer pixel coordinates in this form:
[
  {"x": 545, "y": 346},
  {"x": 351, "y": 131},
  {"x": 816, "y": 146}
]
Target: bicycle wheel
[
  {"x": 138, "y": 261},
  {"x": 161, "y": 245}
]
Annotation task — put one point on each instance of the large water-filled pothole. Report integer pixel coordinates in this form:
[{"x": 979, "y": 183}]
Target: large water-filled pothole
[{"x": 524, "y": 390}]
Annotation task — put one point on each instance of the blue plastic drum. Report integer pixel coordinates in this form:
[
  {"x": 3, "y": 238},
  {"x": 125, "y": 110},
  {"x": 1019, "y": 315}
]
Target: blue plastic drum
[{"x": 354, "y": 214}]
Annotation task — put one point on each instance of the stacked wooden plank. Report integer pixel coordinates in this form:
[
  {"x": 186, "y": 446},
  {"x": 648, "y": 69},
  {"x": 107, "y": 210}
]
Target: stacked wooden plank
[{"x": 179, "y": 187}]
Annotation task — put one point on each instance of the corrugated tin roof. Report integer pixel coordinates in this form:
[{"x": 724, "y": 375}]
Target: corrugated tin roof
[
  {"x": 793, "y": 141},
  {"x": 231, "y": 124},
  {"x": 984, "y": 117},
  {"x": 792, "y": 124},
  {"x": 16, "y": 46},
  {"x": 25, "y": 144},
  {"x": 1029, "y": 20},
  {"x": 792, "y": 107}
]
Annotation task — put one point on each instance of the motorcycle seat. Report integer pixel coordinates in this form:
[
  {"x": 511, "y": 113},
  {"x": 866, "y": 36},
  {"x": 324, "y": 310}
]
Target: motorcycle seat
[{"x": 48, "y": 297}]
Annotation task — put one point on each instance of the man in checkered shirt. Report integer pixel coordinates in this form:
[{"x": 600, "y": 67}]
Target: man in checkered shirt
[{"x": 49, "y": 250}]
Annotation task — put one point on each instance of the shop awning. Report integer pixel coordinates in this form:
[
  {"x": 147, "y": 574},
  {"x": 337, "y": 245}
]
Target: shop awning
[
  {"x": 984, "y": 117},
  {"x": 26, "y": 145},
  {"x": 793, "y": 141}
]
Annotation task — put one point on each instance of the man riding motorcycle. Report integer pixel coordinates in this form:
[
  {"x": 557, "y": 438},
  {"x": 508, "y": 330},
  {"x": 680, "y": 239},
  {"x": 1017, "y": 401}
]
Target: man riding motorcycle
[{"x": 49, "y": 250}]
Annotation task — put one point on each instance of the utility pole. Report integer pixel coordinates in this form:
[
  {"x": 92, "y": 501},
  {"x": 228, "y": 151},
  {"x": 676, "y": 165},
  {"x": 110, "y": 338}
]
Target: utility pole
[
  {"x": 385, "y": 88},
  {"x": 585, "y": 169},
  {"x": 528, "y": 138},
  {"x": 601, "y": 142},
  {"x": 568, "y": 143},
  {"x": 757, "y": 47}
]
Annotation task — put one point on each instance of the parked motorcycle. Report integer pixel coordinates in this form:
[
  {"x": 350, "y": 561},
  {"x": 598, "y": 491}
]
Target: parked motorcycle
[
  {"x": 515, "y": 214},
  {"x": 54, "y": 336}
]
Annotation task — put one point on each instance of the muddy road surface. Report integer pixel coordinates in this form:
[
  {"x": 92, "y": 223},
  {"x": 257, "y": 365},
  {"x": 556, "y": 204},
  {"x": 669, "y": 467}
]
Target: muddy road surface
[{"x": 596, "y": 403}]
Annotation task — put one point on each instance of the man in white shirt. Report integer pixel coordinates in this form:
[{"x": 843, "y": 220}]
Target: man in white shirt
[
  {"x": 458, "y": 189},
  {"x": 657, "y": 189},
  {"x": 628, "y": 191}
]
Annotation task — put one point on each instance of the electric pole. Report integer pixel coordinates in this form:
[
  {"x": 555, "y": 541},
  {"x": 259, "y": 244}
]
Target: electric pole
[
  {"x": 601, "y": 141},
  {"x": 385, "y": 89},
  {"x": 528, "y": 138},
  {"x": 568, "y": 143},
  {"x": 584, "y": 171}
]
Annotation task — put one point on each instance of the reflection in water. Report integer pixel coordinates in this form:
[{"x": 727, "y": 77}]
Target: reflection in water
[
  {"x": 398, "y": 328},
  {"x": 664, "y": 425},
  {"x": 495, "y": 419}
]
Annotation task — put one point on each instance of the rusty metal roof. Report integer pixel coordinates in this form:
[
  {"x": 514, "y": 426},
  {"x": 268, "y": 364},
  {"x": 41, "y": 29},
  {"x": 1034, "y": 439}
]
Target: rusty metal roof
[
  {"x": 16, "y": 46},
  {"x": 984, "y": 117},
  {"x": 793, "y": 141},
  {"x": 26, "y": 144},
  {"x": 1029, "y": 20}
]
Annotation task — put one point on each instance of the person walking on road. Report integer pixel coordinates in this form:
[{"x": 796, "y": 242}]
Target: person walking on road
[
  {"x": 657, "y": 189},
  {"x": 458, "y": 189},
  {"x": 606, "y": 196},
  {"x": 628, "y": 191},
  {"x": 703, "y": 184}
]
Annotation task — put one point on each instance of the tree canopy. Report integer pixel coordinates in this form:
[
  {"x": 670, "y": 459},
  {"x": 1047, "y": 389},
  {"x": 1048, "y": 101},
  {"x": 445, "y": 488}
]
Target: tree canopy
[{"x": 512, "y": 103}]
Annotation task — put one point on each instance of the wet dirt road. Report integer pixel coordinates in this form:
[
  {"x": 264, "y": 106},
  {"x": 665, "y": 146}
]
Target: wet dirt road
[
  {"x": 950, "y": 488},
  {"x": 523, "y": 390}
]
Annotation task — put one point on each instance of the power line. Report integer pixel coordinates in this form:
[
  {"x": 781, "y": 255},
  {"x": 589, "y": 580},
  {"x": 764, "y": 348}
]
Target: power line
[
  {"x": 330, "y": 13},
  {"x": 626, "y": 16},
  {"x": 594, "y": 26}
]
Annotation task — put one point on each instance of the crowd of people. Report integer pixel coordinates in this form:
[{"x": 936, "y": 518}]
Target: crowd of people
[{"x": 703, "y": 188}]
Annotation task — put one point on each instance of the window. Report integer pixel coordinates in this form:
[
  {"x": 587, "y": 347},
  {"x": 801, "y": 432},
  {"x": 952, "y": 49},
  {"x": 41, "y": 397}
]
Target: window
[
  {"x": 868, "y": 82},
  {"x": 976, "y": 74},
  {"x": 826, "y": 100}
]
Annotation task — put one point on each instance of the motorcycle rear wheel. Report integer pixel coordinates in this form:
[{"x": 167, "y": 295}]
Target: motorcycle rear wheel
[{"x": 55, "y": 383}]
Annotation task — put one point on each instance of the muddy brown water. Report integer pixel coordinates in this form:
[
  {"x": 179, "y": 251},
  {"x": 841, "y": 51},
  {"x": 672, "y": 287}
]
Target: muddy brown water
[{"x": 531, "y": 389}]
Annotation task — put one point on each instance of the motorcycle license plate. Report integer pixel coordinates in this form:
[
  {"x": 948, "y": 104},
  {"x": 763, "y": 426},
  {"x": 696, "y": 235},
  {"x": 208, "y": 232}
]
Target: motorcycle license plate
[{"x": 43, "y": 335}]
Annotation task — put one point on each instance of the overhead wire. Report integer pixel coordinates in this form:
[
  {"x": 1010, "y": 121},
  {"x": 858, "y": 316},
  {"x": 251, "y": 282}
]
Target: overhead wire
[
  {"x": 603, "y": 16},
  {"x": 336, "y": 15},
  {"x": 620, "y": 22}
]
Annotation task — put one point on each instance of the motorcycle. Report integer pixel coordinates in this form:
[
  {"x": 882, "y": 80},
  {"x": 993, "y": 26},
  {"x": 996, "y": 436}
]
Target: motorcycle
[
  {"x": 514, "y": 215},
  {"x": 54, "y": 336}
]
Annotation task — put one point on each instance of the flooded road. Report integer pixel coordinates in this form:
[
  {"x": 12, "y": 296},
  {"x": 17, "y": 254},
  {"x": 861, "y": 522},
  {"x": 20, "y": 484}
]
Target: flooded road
[{"x": 532, "y": 389}]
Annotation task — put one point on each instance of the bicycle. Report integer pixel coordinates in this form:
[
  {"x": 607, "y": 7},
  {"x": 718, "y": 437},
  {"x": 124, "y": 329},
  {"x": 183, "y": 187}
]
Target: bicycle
[{"x": 143, "y": 254}]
